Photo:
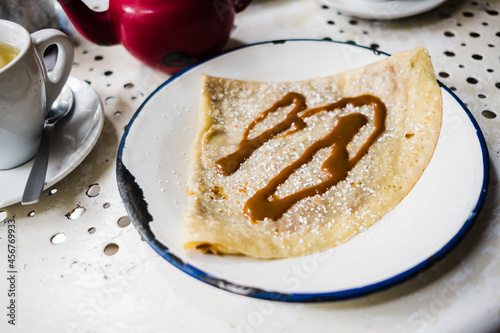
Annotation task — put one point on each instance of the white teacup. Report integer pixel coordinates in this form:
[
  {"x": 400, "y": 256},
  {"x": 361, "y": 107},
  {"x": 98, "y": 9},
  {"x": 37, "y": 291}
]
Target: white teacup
[{"x": 28, "y": 89}]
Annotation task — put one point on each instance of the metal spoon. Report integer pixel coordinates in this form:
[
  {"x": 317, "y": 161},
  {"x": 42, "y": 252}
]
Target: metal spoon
[{"x": 60, "y": 108}]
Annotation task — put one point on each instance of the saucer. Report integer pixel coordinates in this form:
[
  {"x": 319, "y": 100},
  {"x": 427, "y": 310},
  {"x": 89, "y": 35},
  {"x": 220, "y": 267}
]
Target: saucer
[
  {"x": 383, "y": 10},
  {"x": 72, "y": 140}
]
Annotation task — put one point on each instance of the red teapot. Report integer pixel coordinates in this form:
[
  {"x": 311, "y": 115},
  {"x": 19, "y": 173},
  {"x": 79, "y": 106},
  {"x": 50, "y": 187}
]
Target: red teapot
[{"x": 167, "y": 35}]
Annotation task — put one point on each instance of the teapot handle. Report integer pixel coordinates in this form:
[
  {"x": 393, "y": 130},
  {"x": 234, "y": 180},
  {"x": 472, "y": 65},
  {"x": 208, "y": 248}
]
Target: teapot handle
[{"x": 240, "y": 5}]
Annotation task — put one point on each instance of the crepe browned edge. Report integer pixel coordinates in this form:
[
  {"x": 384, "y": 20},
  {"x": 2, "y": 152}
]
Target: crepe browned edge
[{"x": 215, "y": 223}]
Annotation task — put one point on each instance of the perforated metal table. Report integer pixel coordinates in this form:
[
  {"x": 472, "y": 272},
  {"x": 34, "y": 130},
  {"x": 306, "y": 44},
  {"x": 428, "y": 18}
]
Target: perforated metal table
[{"x": 82, "y": 267}]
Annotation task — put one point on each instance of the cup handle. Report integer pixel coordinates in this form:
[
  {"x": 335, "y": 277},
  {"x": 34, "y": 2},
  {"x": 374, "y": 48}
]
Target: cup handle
[
  {"x": 240, "y": 5},
  {"x": 55, "y": 79}
]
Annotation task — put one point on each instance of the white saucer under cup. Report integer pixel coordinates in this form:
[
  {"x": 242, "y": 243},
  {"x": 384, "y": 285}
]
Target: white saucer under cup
[{"x": 73, "y": 139}]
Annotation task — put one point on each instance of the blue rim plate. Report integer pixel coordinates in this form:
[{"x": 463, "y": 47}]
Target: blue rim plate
[
  {"x": 152, "y": 172},
  {"x": 382, "y": 10}
]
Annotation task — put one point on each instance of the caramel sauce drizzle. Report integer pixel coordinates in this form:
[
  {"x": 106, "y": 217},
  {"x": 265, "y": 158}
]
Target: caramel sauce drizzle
[
  {"x": 231, "y": 163},
  {"x": 336, "y": 166}
]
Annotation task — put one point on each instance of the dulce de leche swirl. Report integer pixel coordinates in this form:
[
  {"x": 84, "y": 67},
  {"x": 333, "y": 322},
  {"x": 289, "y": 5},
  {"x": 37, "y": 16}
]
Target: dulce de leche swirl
[{"x": 336, "y": 166}]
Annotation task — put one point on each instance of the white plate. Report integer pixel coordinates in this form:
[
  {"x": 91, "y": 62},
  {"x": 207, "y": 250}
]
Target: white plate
[
  {"x": 152, "y": 172},
  {"x": 73, "y": 138},
  {"x": 383, "y": 10}
]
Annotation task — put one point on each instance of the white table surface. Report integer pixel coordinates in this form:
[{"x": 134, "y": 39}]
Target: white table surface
[{"x": 75, "y": 287}]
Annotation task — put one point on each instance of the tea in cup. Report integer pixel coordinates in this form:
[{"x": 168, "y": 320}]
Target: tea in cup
[
  {"x": 7, "y": 53},
  {"x": 27, "y": 88}
]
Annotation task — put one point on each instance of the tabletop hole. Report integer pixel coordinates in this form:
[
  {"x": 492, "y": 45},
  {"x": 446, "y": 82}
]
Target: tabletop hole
[
  {"x": 110, "y": 100},
  {"x": 474, "y": 35},
  {"x": 481, "y": 96},
  {"x": 374, "y": 46},
  {"x": 477, "y": 57},
  {"x": 128, "y": 85},
  {"x": 58, "y": 238},
  {"x": 76, "y": 213},
  {"x": 485, "y": 24},
  {"x": 111, "y": 249},
  {"x": 449, "y": 53},
  {"x": 353, "y": 22},
  {"x": 98, "y": 58},
  {"x": 324, "y": 7},
  {"x": 93, "y": 190},
  {"x": 3, "y": 215},
  {"x": 124, "y": 221},
  {"x": 490, "y": 70},
  {"x": 91, "y": 230},
  {"x": 106, "y": 205},
  {"x": 330, "y": 22},
  {"x": 489, "y": 114},
  {"x": 108, "y": 73},
  {"x": 492, "y": 12},
  {"x": 445, "y": 15},
  {"x": 472, "y": 80},
  {"x": 449, "y": 34},
  {"x": 444, "y": 74},
  {"x": 498, "y": 34},
  {"x": 31, "y": 213},
  {"x": 468, "y": 14},
  {"x": 497, "y": 85}
]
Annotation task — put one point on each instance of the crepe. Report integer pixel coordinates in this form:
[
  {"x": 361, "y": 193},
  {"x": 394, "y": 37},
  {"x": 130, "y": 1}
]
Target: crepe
[{"x": 368, "y": 183}]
